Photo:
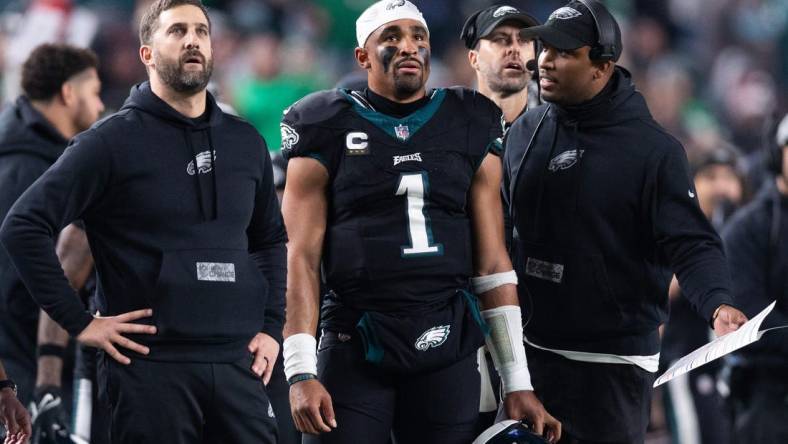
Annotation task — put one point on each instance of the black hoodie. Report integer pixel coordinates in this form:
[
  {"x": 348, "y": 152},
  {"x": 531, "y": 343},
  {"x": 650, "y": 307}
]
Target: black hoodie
[
  {"x": 181, "y": 216},
  {"x": 29, "y": 144},
  {"x": 604, "y": 208}
]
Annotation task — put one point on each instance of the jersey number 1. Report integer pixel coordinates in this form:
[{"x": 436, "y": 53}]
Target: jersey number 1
[{"x": 416, "y": 187}]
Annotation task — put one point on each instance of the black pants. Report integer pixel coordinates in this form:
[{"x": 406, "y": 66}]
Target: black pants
[
  {"x": 187, "y": 403},
  {"x": 372, "y": 406},
  {"x": 760, "y": 410},
  {"x": 279, "y": 393},
  {"x": 596, "y": 403}
]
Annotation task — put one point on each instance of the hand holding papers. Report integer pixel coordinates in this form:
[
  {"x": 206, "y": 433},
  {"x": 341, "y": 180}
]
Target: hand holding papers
[{"x": 745, "y": 335}]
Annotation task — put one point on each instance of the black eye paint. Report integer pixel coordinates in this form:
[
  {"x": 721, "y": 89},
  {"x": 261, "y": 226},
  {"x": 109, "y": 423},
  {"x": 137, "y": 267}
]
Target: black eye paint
[
  {"x": 424, "y": 53},
  {"x": 386, "y": 55}
]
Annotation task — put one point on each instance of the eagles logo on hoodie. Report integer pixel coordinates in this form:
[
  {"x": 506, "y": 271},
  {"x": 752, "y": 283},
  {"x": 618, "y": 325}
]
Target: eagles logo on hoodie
[{"x": 565, "y": 160}]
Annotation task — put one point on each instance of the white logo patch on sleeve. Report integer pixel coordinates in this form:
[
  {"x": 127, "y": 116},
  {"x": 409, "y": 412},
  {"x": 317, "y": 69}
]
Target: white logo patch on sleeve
[
  {"x": 216, "y": 271},
  {"x": 434, "y": 337},
  {"x": 289, "y": 136}
]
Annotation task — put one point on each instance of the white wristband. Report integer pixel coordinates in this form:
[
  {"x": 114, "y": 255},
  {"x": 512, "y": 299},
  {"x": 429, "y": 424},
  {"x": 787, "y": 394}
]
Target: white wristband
[
  {"x": 300, "y": 355},
  {"x": 505, "y": 343},
  {"x": 482, "y": 284}
]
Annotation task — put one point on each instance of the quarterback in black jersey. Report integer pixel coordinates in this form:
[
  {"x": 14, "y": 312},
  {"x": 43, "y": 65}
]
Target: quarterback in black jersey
[{"x": 396, "y": 190}]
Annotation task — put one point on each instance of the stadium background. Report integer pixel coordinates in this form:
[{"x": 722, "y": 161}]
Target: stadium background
[
  {"x": 714, "y": 72},
  {"x": 711, "y": 70}
]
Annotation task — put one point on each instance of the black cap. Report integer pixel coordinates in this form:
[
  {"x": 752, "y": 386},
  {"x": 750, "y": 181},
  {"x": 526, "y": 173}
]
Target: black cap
[
  {"x": 481, "y": 23},
  {"x": 571, "y": 27}
]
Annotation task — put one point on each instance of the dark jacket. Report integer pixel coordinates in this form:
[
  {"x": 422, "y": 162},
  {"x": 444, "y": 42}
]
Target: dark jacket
[
  {"x": 604, "y": 208},
  {"x": 181, "y": 216},
  {"x": 756, "y": 244},
  {"x": 29, "y": 145}
]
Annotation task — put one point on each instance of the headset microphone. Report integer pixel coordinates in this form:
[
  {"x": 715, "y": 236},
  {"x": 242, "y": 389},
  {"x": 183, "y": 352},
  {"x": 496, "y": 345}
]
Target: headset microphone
[{"x": 531, "y": 65}]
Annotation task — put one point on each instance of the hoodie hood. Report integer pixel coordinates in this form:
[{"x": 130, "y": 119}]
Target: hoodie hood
[
  {"x": 618, "y": 102},
  {"x": 142, "y": 97},
  {"x": 25, "y": 130}
]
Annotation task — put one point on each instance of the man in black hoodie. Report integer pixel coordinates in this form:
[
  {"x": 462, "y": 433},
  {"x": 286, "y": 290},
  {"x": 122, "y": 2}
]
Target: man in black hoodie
[
  {"x": 179, "y": 207},
  {"x": 756, "y": 242},
  {"x": 604, "y": 207},
  {"x": 61, "y": 98}
]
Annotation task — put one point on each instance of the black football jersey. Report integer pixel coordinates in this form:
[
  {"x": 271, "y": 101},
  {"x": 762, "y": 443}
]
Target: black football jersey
[{"x": 398, "y": 232}]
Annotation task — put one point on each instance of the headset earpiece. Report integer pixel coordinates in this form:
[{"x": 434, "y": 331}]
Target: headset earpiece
[
  {"x": 605, "y": 49},
  {"x": 468, "y": 33}
]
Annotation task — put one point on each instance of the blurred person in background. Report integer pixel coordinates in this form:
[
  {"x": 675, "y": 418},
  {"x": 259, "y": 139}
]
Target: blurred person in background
[
  {"x": 61, "y": 99},
  {"x": 262, "y": 98},
  {"x": 13, "y": 416},
  {"x": 501, "y": 58},
  {"x": 179, "y": 206},
  {"x": 420, "y": 172},
  {"x": 756, "y": 243},
  {"x": 694, "y": 408},
  {"x": 45, "y": 21}
]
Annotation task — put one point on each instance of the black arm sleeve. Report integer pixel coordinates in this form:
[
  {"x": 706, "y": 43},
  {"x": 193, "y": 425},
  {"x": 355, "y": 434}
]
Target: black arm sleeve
[
  {"x": 61, "y": 195},
  {"x": 267, "y": 239},
  {"x": 686, "y": 238}
]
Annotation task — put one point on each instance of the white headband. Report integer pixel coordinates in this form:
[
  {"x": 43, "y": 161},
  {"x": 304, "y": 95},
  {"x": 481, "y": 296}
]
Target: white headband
[{"x": 382, "y": 12}]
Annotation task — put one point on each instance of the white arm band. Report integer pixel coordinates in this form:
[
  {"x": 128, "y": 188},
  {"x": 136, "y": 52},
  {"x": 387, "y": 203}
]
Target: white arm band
[
  {"x": 505, "y": 343},
  {"x": 482, "y": 284},
  {"x": 300, "y": 354}
]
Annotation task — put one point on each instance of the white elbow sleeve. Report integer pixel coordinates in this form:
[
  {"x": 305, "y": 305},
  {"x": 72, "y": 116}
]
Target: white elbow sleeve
[{"x": 505, "y": 343}]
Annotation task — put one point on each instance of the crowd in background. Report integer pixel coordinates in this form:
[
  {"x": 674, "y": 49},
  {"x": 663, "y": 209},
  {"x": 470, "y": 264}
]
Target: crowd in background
[{"x": 714, "y": 72}]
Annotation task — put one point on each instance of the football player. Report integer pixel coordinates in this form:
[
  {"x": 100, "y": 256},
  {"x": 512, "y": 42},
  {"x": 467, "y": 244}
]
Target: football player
[{"x": 396, "y": 189}]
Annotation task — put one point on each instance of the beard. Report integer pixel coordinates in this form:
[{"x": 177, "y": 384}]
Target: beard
[
  {"x": 406, "y": 86},
  {"x": 506, "y": 86},
  {"x": 173, "y": 74}
]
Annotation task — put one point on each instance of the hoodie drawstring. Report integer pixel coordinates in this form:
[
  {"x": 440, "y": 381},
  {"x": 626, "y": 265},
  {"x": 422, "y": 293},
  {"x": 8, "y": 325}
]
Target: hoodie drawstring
[
  {"x": 189, "y": 143},
  {"x": 213, "y": 175}
]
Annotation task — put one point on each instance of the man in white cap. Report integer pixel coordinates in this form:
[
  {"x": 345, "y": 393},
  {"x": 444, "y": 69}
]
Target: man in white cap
[{"x": 393, "y": 190}]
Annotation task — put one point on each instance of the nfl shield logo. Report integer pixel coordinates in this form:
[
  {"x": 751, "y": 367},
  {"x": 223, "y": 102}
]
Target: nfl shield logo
[{"x": 402, "y": 132}]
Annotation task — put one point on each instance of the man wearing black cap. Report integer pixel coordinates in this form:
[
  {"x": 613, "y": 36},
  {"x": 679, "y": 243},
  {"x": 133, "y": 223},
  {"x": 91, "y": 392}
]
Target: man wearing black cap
[
  {"x": 501, "y": 57},
  {"x": 601, "y": 198}
]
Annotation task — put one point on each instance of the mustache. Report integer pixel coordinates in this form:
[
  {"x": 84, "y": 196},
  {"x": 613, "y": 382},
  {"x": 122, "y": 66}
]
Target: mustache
[
  {"x": 409, "y": 60},
  {"x": 192, "y": 54}
]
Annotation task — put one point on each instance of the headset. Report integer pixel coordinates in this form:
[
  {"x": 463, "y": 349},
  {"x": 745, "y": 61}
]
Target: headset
[
  {"x": 606, "y": 27},
  {"x": 468, "y": 33}
]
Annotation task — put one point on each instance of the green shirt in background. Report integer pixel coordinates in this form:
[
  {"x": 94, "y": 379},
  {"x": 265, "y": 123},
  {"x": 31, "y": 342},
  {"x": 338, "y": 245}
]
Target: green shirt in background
[{"x": 262, "y": 102}]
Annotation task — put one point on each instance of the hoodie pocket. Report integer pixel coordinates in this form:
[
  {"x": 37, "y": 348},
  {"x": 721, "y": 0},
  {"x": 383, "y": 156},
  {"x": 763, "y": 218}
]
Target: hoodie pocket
[
  {"x": 210, "y": 295},
  {"x": 570, "y": 290}
]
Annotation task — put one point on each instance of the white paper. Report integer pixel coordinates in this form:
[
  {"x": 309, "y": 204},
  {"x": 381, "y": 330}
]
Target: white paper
[{"x": 745, "y": 335}]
